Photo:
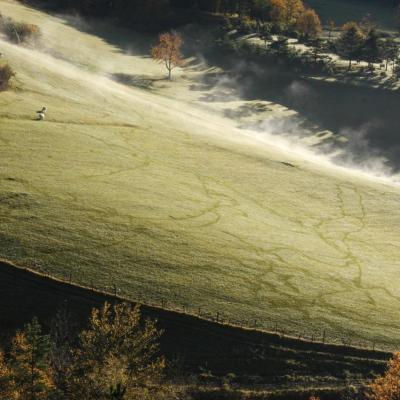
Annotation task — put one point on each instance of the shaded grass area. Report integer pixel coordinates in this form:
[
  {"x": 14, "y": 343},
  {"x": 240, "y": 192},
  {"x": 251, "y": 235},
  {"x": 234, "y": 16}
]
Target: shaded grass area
[
  {"x": 342, "y": 11},
  {"x": 208, "y": 350}
]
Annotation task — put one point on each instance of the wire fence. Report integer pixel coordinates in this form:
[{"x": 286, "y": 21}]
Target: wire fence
[{"x": 284, "y": 329}]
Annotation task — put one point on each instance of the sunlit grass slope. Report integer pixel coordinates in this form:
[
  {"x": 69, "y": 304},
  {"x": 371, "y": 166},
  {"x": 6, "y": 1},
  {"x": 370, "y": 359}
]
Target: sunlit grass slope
[{"x": 128, "y": 186}]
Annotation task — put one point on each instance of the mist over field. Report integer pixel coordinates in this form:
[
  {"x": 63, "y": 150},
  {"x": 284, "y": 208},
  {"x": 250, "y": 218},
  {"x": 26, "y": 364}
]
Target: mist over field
[
  {"x": 329, "y": 126},
  {"x": 367, "y": 143}
]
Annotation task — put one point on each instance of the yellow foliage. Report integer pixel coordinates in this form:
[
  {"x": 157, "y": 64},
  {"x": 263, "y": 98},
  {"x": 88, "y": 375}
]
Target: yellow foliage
[
  {"x": 309, "y": 24},
  {"x": 294, "y": 8},
  {"x": 278, "y": 11},
  {"x": 30, "y": 371},
  {"x": 286, "y": 12},
  {"x": 7, "y": 383},
  {"x": 117, "y": 349},
  {"x": 387, "y": 387}
]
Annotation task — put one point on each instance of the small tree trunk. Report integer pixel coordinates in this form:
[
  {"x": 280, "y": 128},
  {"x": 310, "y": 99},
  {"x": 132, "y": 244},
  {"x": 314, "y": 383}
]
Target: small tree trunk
[{"x": 17, "y": 36}]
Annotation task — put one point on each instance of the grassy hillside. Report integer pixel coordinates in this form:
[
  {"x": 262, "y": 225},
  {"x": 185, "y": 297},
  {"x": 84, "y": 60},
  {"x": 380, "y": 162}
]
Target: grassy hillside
[
  {"x": 268, "y": 363},
  {"x": 167, "y": 199}
]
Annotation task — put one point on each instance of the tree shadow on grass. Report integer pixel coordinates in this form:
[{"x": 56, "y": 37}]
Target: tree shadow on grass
[
  {"x": 377, "y": 77},
  {"x": 138, "y": 81}
]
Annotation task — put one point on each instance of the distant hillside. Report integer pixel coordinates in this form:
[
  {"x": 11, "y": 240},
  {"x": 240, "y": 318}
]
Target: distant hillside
[{"x": 342, "y": 11}]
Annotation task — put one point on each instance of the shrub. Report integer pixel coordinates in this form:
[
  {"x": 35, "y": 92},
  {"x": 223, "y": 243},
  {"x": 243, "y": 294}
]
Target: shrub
[
  {"x": 19, "y": 32},
  {"x": 6, "y": 75},
  {"x": 387, "y": 387}
]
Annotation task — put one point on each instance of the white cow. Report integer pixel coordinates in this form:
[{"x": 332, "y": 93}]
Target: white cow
[{"x": 41, "y": 114}]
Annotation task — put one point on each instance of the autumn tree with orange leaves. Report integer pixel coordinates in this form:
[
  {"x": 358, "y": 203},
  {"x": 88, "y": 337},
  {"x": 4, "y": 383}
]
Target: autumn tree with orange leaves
[
  {"x": 387, "y": 387},
  {"x": 286, "y": 12},
  {"x": 294, "y": 8},
  {"x": 168, "y": 51},
  {"x": 309, "y": 24},
  {"x": 278, "y": 11}
]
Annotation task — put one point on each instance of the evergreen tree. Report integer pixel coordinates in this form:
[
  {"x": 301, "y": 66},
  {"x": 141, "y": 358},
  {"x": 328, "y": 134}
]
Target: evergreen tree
[
  {"x": 350, "y": 42},
  {"x": 7, "y": 383},
  {"x": 371, "y": 49},
  {"x": 30, "y": 363},
  {"x": 117, "y": 355}
]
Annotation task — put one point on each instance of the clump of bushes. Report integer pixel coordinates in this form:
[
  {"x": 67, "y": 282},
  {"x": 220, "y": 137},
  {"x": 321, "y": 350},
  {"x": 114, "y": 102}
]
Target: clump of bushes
[
  {"x": 116, "y": 357},
  {"x": 19, "y": 32},
  {"x": 6, "y": 75}
]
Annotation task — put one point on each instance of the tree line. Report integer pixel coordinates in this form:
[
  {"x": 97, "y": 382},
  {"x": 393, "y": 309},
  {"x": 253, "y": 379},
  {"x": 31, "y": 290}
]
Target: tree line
[
  {"x": 155, "y": 10},
  {"x": 357, "y": 41},
  {"x": 115, "y": 358}
]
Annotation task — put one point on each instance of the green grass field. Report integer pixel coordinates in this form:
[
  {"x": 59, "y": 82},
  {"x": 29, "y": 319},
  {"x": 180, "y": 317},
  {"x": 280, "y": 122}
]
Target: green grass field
[{"x": 169, "y": 200}]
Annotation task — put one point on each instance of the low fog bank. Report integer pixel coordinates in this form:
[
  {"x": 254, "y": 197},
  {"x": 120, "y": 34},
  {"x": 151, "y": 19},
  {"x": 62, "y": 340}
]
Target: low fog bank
[{"x": 364, "y": 121}]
